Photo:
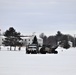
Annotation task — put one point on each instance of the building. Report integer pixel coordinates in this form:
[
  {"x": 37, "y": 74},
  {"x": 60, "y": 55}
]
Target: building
[
  {"x": 1, "y": 40},
  {"x": 29, "y": 40}
]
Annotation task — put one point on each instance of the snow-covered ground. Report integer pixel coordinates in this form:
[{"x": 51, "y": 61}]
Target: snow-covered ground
[{"x": 19, "y": 63}]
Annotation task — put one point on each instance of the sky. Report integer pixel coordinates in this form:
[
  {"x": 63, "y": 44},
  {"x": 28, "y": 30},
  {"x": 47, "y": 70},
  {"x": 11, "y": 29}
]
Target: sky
[{"x": 40, "y": 16}]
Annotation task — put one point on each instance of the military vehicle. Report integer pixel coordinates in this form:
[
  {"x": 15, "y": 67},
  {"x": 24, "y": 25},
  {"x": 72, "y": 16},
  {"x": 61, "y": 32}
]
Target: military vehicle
[
  {"x": 32, "y": 48},
  {"x": 49, "y": 49}
]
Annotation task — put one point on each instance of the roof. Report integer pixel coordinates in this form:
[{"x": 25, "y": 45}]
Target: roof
[
  {"x": 2, "y": 36},
  {"x": 25, "y": 37}
]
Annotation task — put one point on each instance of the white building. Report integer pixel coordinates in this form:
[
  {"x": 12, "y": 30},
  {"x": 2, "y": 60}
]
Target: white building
[
  {"x": 29, "y": 40},
  {"x": 70, "y": 43},
  {"x": 1, "y": 40}
]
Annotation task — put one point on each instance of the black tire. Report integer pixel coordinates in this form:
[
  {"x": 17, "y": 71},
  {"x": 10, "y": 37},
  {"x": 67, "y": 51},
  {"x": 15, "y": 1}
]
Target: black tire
[
  {"x": 28, "y": 52},
  {"x": 55, "y": 52},
  {"x": 33, "y": 52},
  {"x": 42, "y": 51}
]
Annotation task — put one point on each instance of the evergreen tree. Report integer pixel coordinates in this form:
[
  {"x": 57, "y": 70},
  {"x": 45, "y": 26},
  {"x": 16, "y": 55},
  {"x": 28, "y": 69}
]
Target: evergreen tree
[
  {"x": 66, "y": 45},
  {"x": 35, "y": 40},
  {"x": 12, "y": 38}
]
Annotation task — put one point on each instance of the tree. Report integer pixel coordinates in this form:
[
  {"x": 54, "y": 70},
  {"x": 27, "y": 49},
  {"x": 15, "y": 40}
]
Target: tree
[
  {"x": 12, "y": 38},
  {"x": 41, "y": 35},
  {"x": 65, "y": 42},
  {"x": 45, "y": 40},
  {"x": 44, "y": 37},
  {"x": 35, "y": 40},
  {"x": 51, "y": 40},
  {"x": 59, "y": 36},
  {"x": 59, "y": 33}
]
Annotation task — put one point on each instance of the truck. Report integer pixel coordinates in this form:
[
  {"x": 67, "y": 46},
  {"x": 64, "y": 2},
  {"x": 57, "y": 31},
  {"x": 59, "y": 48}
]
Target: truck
[{"x": 32, "y": 48}]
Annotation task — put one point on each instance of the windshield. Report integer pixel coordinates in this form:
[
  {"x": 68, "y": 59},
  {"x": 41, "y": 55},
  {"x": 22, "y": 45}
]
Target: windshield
[{"x": 32, "y": 46}]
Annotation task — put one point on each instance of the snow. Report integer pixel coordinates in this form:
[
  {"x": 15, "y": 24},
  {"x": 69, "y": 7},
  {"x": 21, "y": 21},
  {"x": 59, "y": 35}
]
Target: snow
[{"x": 20, "y": 63}]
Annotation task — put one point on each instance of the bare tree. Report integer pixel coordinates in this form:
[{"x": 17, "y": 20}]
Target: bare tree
[{"x": 42, "y": 35}]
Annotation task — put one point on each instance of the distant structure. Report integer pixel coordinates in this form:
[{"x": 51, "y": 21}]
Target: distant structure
[
  {"x": 70, "y": 43},
  {"x": 2, "y": 38},
  {"x": 27, "y": 40}
]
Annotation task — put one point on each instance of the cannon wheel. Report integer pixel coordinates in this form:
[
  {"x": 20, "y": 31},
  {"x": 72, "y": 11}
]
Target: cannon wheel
[
  {"x": 55, "y": 52},
  {"x": 42, "y": 51}
]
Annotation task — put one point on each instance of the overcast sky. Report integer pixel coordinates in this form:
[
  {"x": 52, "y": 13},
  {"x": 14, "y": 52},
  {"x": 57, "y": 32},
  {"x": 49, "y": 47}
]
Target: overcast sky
[{"x": 48, "y": 16}]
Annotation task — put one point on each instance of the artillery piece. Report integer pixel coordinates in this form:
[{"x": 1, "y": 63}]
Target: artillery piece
[{"x": 48, "y": 49}]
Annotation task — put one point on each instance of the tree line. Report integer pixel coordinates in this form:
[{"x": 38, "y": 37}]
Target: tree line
[
  {"x": 64, "y": 39},
  {"x": 13, "y": 38}
]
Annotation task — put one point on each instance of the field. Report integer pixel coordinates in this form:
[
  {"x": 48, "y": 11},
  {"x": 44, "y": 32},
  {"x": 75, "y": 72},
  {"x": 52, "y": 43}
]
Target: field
[{"x": 20, "y": 63}]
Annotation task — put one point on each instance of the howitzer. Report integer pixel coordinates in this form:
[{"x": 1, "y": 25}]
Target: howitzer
[{"x": 48, "y": 49}]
